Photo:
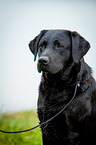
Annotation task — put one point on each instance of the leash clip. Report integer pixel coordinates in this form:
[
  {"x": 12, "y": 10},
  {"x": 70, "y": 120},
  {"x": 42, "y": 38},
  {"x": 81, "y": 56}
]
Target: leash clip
[{"x": 78, "y": 84}]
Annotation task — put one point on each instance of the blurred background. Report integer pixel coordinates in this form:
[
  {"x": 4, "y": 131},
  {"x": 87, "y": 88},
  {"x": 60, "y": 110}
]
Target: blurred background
[{"x": 20, "y": 22}]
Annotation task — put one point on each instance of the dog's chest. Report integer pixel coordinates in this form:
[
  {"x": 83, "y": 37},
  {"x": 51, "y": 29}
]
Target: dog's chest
[
  {"x": 56, "y": 98},
  {"x": 53, "y": 98}
]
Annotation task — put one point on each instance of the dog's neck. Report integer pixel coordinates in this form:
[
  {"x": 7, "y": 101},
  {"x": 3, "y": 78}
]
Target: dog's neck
[{"x": 84, "y": 73}]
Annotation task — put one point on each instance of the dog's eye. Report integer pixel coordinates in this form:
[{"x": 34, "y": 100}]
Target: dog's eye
[
  {"x": 57, "y": 45},
  {"x": 42, "y": 46},
  {"x": 40, "y": 49}
]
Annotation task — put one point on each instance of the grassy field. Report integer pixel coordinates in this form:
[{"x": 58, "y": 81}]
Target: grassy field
[{"x": 20, "y": 121}]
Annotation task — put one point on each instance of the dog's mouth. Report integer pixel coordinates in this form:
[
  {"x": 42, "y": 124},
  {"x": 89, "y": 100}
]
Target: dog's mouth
[{"x": 42, "y": 68}]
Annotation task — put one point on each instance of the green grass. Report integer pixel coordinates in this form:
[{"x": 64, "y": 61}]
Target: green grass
[{"x": 20, "y": 121}]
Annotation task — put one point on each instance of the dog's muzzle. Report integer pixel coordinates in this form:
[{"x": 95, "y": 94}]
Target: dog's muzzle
[{"x": 43, "y": 62}]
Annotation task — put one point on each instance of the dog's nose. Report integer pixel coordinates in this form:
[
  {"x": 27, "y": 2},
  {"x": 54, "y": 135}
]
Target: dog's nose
[{"x": 43, "y": 60}]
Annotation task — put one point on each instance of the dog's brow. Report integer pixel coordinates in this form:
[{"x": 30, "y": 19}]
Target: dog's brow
[
  {"x": 42, "y": 42},
  {"x": 61, "y": 42},
  {"x": 56, "y": 42}
]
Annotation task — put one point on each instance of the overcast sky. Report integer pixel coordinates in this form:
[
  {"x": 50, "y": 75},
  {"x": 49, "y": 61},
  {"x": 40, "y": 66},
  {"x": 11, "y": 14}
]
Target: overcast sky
[{"x": 20, "y": 22}]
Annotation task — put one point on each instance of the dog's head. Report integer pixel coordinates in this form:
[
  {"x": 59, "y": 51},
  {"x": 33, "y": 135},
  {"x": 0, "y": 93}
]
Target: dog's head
[{"x": 56, "y": 47}]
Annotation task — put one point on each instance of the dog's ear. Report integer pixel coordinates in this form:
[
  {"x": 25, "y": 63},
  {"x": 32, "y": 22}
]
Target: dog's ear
[
  {"x": 33, "y": 45},
  {"x": 79, "y": 47}
]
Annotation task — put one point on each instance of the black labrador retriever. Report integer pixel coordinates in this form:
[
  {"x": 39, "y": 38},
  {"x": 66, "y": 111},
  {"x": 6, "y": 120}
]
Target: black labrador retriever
[{"x": 60, "y": 58}]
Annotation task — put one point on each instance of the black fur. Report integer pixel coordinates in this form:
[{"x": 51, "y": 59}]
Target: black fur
[{"x": 61, "y": 62}]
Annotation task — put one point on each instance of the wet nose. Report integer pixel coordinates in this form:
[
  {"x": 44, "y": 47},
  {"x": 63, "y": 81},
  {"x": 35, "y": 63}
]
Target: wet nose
[{"x": 43, "y": 60}]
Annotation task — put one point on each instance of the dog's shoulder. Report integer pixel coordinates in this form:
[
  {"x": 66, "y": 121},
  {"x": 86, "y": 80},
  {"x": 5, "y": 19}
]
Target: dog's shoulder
[{"x": 84, "y": 105}]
